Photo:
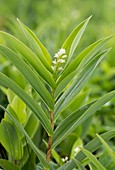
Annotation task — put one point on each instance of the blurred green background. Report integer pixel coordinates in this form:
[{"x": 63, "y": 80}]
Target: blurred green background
[{"x": 52, "y": 21}]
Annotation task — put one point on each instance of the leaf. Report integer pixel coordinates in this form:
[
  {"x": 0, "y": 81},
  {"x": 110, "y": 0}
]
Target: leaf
[
  {"x": 20, "y": 109},
  {"x": 75, "y": 148},
  {"x": 31, "y": 125},
  {"x": 11, "y": 140},
  {"x": 77, "y": 118},
  {"x": 29, "y": 74},
  {"x": 80, "y": 166},
  {"x": 31, "y": 58},
  {"x": 77, "y": 102},
  {"x": 6, "y": 165},
  {"x": 67, "y": 125},
  {"x": 37, "y": 46},
  {"x": 29, "y": 101},
  {"x": 72, "y": 41},
  {"x": 92, "y": 146},
  {"x": 108, "y": 149},
  {"x": 41, "y": 156},
  {"x": 77, "y": 84},
  {"x": 93, "y": 159},
  {"x": 84, "y": 57}
]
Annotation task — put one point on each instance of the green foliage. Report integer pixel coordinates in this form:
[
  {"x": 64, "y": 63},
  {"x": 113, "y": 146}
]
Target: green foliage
[{"x": 48, "y": 98}]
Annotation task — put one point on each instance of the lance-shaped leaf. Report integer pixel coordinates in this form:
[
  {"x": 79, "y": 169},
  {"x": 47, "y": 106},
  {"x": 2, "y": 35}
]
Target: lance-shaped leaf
[
  {"x": 63, "y": 130},
  {"x": 79, "y": 165},
  {"x": 85, "y": 56},
  {"x": 7, "y": 165},
  {"x": 108, "y": 149},
  {"x": 10, "y": 140},
  {"x": 77, "y": 118},
  {"x": 78, "y": 83},
  {"x": 37, "y": 46},
  {"x": 72, "y": 41},
  {"x": 30, "y": 75},
  {"x": 29, "y": 55},
  {"x": 41, "y": 156},
  {"x": 93, "y": 159},
  {"x": 78, "y": 101},
  {"x": 92, "y": 146},
  {"x": 30, "y": 102}
]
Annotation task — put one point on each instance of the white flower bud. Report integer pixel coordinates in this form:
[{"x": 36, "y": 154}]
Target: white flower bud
[
  {"x": 61, "y": 52},
  {"x": 64, "y": 56},
  {"x": 56, "y": 55},
  {"x": 53, "y": 67},
  {"x": 54, "y": 62},
  {"x": 61, "y": 61},
  {"x": 60, "y": 69}
]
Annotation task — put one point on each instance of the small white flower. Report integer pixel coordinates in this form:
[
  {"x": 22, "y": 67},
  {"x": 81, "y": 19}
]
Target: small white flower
[
  {"x": 56, "y": 55},
  {"x": 54, "y": 62},
  {"x": 61, "y": 61},
  {"x": 64, "y": 56},
  {"x": 60, "y": 69},
  {"x": 66, "y": 158},
  {"x": 76, "y": 149},
  {"x": 61, "y": 51},
  {"x": 53, "y": 67},
  {"x": 63, "y": 159}
]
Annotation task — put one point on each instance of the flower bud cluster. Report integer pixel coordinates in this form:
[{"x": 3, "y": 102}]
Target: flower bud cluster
[{"x": 57, "y": 63}]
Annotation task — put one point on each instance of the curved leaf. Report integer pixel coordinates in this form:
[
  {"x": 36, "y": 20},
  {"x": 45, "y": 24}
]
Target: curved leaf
[
  {"x": 108, "y": 149},
  {"x": 84, "y": 57},
  {"x": 78, "y": 83},
  {"x": 72, "y": 41},
  {"x": 92, "y": 146},
  {"x": 29, "y": 74},
  {"x": 41, "y": 156},
  {"x": 68, "y": 125},
  {"x": 37, "y": 46},
  {"x": 10, "y": 140},
  {"x": 77, "y": 118},
  {"x": 80, "y": 166},
  {"x": 77, "y": 102},
  {"x": 6, "y": 165},
  {"x": 93, "y": 159},
  {"x": 28, "y": 54},
  {"x": 30, "y": 102}
]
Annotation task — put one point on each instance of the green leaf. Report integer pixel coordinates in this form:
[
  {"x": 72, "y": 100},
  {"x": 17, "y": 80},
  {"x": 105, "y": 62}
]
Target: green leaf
[
  {"x": 31, "y": 58},
  {"x": 78, "y": 83},
  {"x": 92, "y": 146},
  {"x": 6, "y": 165},
  {"x": 41, "y": 156},
  {"x": 93, "y": 159},
  {"x": 67, "y": 125},
  {"x": 84, "y": 57},
  {"x": 20, "y": 109},
  {"x": 72, "y": 41},
  {"x": 80, "y": 166},
  {"x": 108, "y": 149},
  {"x": 37, "y": 46},
  {"x": 10, "y": 140},
  {"x": 75, "y": 104},
  {"x": 77, "y": 118},
  {"x": 31, "y": 125},
  {"x": 29, "y": 74},
  {"x": 75, "y": 148},
  {"x": 29, "y": 101}
]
